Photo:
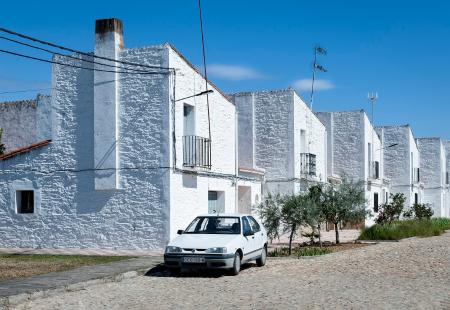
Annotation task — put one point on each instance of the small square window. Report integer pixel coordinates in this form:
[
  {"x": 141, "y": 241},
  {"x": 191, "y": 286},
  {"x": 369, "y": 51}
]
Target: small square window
[{"x": 25, "y": 201}]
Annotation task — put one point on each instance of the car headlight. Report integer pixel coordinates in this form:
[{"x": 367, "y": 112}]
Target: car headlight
[
  {"x": 173, "y": 249},
  {"x": 216, "y": 250}
]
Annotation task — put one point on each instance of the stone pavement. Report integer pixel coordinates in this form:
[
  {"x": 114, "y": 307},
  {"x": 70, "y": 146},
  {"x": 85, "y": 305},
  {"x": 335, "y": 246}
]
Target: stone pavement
[
  {"x": 20, "y": 290},
  {"x": 410, "y": 274}
]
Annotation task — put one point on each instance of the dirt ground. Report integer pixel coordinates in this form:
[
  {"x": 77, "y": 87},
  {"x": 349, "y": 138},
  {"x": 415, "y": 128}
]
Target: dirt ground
[{"x": 23, "y": 265}]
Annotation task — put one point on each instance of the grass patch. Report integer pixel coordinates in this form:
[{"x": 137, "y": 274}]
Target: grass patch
[
  {"x": 299, "y": 251},
  {"x": 24, "y": 265},
  {"x": 406, "y": 229}
]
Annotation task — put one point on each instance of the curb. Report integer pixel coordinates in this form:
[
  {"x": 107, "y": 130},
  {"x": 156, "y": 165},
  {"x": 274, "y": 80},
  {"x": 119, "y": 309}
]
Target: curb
[{"x": 12, "y": 300}]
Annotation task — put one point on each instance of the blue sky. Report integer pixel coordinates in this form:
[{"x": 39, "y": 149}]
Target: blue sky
[{"x": 398, "y": 48}]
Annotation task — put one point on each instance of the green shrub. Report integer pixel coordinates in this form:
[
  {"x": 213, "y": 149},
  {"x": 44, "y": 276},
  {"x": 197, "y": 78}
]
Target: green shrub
[
  {"x": 441, "y": 222},
  {"x": 419, "y": 211},
  {"x": 405, "y": 229},
  {"x": 299, "y": 251},
  {"x": 390, "y": 212}
]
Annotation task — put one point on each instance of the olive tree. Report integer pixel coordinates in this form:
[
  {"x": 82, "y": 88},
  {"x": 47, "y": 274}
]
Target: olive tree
[
  {"x": 294, "y": 214},
  {"x": 270, "y": 213},
  {"x": 344, "y": 203},
  {"x": 312, "y": 214}
]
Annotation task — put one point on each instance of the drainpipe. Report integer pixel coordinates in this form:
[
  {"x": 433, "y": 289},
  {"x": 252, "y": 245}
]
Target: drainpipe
[{"x": 236, "y": 163}]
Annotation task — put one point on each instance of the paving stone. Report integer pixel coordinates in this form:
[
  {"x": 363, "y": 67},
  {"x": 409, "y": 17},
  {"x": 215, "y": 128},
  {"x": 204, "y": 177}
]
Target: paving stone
[{"x": 411, "y": 274}]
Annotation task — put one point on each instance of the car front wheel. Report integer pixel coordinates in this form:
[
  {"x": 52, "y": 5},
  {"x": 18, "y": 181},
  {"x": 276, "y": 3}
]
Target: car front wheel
[
  {"x": 236, "y": 264},
  {"x": 261, "y": 261}
]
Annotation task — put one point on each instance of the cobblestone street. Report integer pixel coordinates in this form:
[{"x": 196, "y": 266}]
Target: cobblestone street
[{"x": 410, "y": 274}]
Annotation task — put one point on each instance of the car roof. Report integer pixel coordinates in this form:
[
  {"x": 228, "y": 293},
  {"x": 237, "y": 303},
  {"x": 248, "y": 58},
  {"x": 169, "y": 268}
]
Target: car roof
[{"x": 227, "y": 214}]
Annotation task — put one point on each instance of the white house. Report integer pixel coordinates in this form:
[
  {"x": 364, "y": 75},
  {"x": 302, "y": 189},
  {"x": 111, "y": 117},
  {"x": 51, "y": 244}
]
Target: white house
[
  {"x": 280, "y": 135},
  {"x": 355, "y": 151},
  {"x": 129, "y": 158},
  {"x": 434, "y": 175},
  {"x": 24, "y": 122},
  {"x": 402, "y": 162}
]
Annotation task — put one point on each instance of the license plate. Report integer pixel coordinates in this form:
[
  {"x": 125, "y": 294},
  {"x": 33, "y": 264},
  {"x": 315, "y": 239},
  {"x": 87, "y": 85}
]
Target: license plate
[{"x": 197, "y": 260}]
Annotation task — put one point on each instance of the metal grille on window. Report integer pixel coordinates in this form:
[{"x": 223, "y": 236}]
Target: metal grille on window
[{"x": 308, "y": 164}]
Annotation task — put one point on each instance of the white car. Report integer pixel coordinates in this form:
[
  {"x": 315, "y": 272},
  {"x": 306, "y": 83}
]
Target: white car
[{"x": 222, "y": 241}]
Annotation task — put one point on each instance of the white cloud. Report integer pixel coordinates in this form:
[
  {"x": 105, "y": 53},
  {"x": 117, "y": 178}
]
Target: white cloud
[
  {"x": 319, "y": 84},
  {"x": 234, "y": 72}
]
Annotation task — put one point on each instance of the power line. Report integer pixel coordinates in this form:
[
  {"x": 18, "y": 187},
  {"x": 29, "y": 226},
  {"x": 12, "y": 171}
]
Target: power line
[
  {"x": 79, "y": 52},
  {"x": 204, "y": 67},
  {"x": 69, "y": 56},
  {"x": 74, "y": 66},
  {"x": 24, "y": 91}
]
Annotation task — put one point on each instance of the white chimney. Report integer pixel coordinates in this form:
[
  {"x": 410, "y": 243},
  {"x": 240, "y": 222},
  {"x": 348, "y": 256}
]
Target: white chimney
[{"x": 108, "y": 43}]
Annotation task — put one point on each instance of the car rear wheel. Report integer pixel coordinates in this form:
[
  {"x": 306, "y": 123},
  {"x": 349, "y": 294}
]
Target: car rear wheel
[
  {"x": 236, "y": 264},
  {"x": 261, "y": 261}
]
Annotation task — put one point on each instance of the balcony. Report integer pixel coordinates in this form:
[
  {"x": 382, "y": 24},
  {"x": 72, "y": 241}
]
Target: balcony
[
  {"x": 307, "y": 164},
  {"x": 374, "y": 170},
  {"x": 196, "y": 152}
]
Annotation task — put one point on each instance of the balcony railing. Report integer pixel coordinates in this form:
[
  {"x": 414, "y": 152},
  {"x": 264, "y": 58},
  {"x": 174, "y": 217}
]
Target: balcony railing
[
  {"x": 196, "y": 152},
  {"x": 307, "y": 164},
  {"x": 374, "y": 170}
]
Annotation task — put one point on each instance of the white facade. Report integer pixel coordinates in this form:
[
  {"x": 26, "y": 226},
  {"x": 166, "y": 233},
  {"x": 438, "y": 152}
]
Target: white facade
[
  {"x": 355, "y": 152},
  {"x": 24, "y": 122},
  {"x": 402, "y": 162},
  {"x": 434, "y": 174},
  {"x": 127, "y": 187},
  {"x": 447, "y": 200},
  {"x": 278, "y": 130}
]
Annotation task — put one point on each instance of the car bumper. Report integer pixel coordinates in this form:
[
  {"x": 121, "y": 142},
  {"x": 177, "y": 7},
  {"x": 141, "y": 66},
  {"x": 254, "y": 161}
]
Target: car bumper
[{"x": 213, "y": 261}]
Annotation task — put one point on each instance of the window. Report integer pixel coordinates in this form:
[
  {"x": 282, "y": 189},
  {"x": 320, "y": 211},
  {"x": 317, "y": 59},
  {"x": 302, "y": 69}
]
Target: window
[
  {"x": 375, "y": 202},
  {"x": 246, "y": 225},
  {"x": 188, "y": 120},
  {"x": 416, "y": 198},
  {"x": 302, "y": 141},
  {"x": 214, "y": 225},
  {"x": 216, "y": 202},
  {"x": 254, "y": 224},
  {"x": 25, "y": 201},
  {"x": 446, "y": 178},
  {"x": 377, "y": 170}
]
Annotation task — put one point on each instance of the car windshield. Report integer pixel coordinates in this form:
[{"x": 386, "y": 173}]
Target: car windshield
[{"x": 214, "y": 225}]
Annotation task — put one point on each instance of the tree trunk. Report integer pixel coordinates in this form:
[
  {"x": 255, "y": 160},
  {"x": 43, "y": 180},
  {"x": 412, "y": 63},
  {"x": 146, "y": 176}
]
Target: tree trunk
[
  {"x": 320, "y": 239},
  {"x": 291, "y": 237},
  {"x": 336, "y": 229}
]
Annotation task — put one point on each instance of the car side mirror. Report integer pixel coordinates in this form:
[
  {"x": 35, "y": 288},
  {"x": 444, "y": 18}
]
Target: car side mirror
[
  {"x": 248, "y": 233},
  {"x": 180, "y": 232}
]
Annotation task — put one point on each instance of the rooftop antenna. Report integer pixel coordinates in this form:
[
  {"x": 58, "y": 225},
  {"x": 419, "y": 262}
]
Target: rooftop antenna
[
  {"x": 316, "y": 67},
  {"x": 372, "y": 98}
]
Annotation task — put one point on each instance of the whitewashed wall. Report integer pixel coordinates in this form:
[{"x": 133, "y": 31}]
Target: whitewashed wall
[
  {"x": 276, "y": 118},
  {"x": 433, "y": 169},
  {"x": 316, "y": 139},
  {"x": 398, "y": 162},
  {"x": 71, "y": 213},
  {"x": 18, "y": 120},
  {"x": 447, "y": 193},
  {"x": 350, "y": 132},
  {"x": 189, "y": 192}
]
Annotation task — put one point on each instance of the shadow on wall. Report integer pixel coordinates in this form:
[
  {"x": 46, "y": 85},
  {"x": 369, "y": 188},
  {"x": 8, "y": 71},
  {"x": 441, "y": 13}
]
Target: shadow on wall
[{"x": 189, "y": 181}]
